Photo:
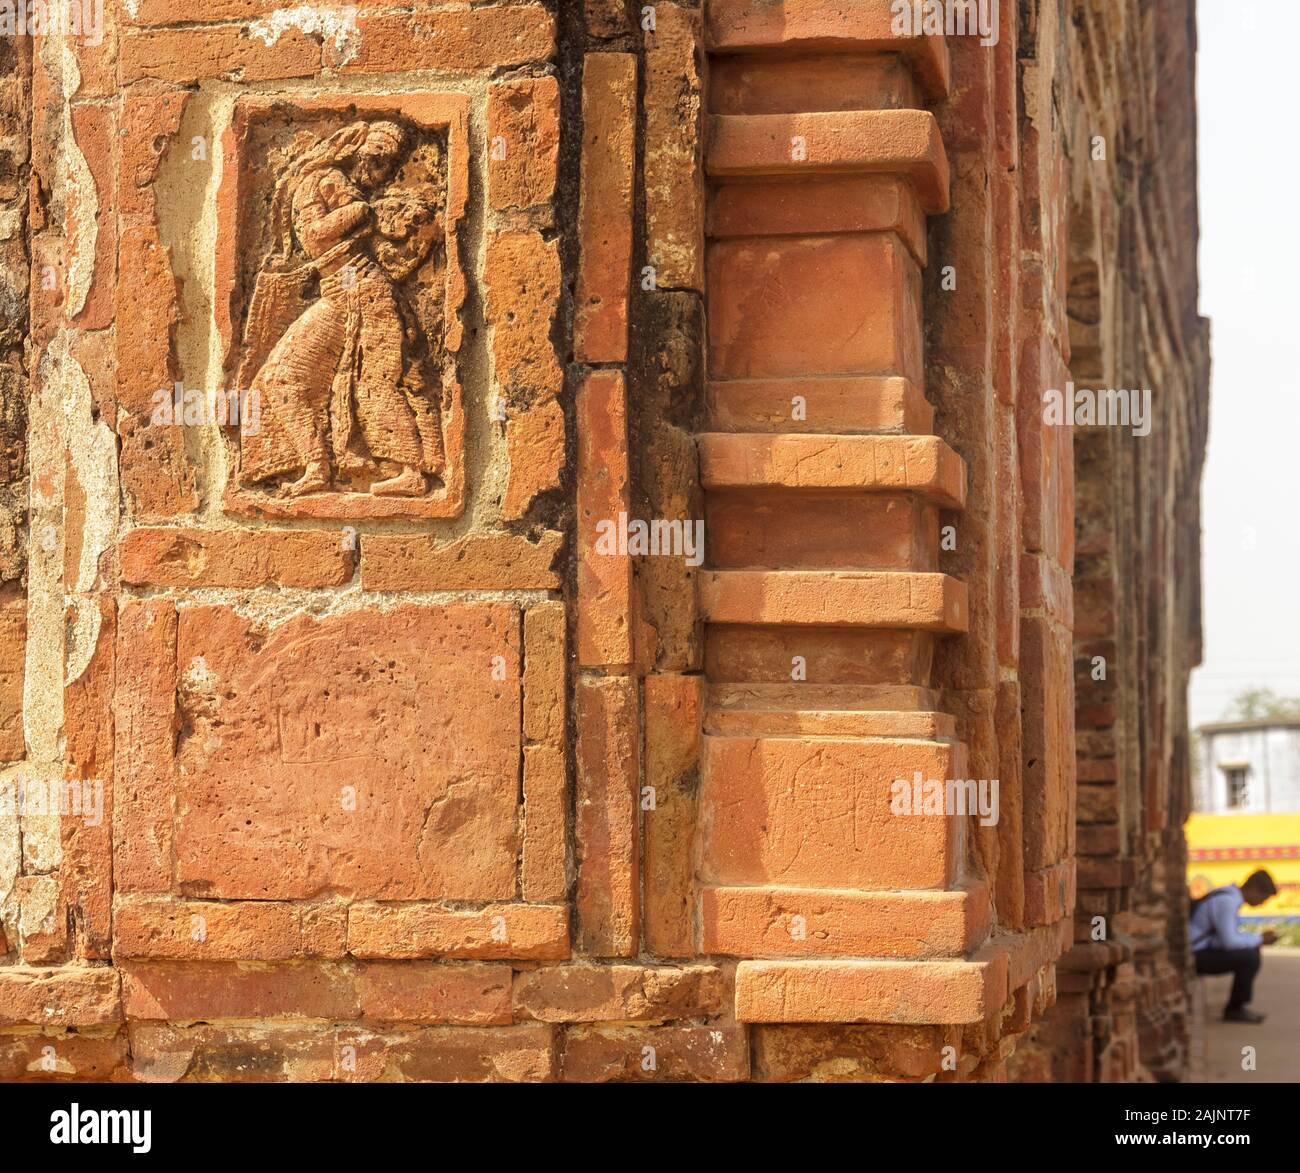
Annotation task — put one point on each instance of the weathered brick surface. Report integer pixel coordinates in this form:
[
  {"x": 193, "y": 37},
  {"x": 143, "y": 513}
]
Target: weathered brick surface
[
  {"x": 519, "y": 931},
  {"x": 652, "y": 479},
  {"x": 226, "y": 931},
  {"x": 604, "y": 571},
  {"x": 599, "y": 993},
  {"x": 13, "y": 652},
  {"x": 673, "y": 189},
  {"x": 607, "y": 821},
  {"x": 675, "y": 1054},
  {"x": 524, "y": 132},
  {"x": 392, "y": 562},
  {"x": 672, "y": 764},
  {"x": 605, "y": 210},
  {"x": 65, "y": 996},
  {"x": 436, "y": 995},
  {"x": 235, "y": 558},
  {"x": 206, "y": 990},
  {"x": 434, "y": 817},
  {"x": 522, "y": 276},
  {"x": 86, "y": 872},
  {"x": 145, "y": 725}
]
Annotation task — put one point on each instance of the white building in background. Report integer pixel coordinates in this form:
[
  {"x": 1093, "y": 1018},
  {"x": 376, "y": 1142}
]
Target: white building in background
[{"x": 1249, "y": 767}]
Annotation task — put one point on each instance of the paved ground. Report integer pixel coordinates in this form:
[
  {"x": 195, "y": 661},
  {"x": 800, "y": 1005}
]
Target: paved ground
[{"x": 1276, "y": 1042}]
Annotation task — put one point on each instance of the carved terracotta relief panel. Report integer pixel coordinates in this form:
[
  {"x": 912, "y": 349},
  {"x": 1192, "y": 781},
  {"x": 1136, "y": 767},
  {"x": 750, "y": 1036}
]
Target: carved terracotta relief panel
[{"x": 339, "y": 294}]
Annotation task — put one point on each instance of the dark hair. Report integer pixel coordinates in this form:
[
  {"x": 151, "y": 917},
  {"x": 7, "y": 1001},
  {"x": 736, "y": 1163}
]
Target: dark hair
[{"x": 1261, "y": 881}]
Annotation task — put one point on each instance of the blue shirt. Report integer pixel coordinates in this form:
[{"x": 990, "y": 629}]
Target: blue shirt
[{"x": 1214, "y": 923}]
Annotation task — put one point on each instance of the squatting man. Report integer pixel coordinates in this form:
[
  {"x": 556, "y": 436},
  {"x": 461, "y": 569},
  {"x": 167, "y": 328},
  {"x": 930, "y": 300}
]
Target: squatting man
[{"x": 1221, "y": 945}]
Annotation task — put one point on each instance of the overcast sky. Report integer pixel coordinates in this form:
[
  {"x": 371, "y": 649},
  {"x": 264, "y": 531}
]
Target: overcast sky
[{"x": 1250, "y": 262}]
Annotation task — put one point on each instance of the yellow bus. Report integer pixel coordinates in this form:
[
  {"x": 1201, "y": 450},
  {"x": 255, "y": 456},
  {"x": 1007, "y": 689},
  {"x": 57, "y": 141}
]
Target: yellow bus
[{"x": 1225, "y": 849}]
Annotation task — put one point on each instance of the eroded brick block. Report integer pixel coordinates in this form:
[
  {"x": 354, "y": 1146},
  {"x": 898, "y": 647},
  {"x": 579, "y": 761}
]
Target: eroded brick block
[
  {"x": 605, "y": 213},
  {"x": 819, "y": 814},
  {"x": 236, "y": 558},
  {"x": 595, "y": 993},
  {"x": 497, "y": 931},
  {"x": 372, "y": 753},
  {"x": 607, "y": 816},
  {"x": 524, "y": 142},
  {"x": 13, "y": 651},
  {"x": 715, "y": 1053},
  {"x": 458, "y": 995},
  {"x": 70, "y": 995}
]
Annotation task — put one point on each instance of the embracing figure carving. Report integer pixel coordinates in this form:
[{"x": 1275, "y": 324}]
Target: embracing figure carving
[{"x": 342, "y": 395}]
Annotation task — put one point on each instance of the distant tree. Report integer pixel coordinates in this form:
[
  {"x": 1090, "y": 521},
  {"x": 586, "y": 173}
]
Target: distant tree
[{"x": 1255, "y": 704}]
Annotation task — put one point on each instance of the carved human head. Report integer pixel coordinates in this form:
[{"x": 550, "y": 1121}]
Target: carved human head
[{"x": 378, "y": 154}]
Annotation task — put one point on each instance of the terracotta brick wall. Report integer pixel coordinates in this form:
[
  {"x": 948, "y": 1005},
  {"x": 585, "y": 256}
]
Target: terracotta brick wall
[
  {"x": 394, "y": 755},
  {"x": 1130, "y": 301}
]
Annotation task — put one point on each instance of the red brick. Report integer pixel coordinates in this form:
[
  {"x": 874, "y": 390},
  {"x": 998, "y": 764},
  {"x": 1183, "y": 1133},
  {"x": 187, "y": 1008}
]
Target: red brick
[
  {"x": 13, "y": 653},
  {"x": 1049, "y": 894},
  {"x": 151, "y": 115},
  {"x": 416, "y": 991},
  {"x": 817, "y": 80},
  {"x": 673, "y": 707},
  {"x": 160, "y": 12},
  {"x": 810, "y": 207},
  {"x": 70, "y": 995},
  {"x": 545, "y": 674},
  {"x": 94, "y": 129},
  {"x": 156, "y": 474},
  {"x": 416, "y": 562},
  {"x": 535, "y": 439},
  {"x": 396, "y": 762},
  {"x": 524, "y": 932},
  {"x": 850, "y": 1054},
  {"x": 60, "y": 1058},
  {"x": 205, "y": 1053},
  {"x": 236, "y": 558},
  {"x": 205, "y": 990},
  {"x": 86, "y": 872},
  {"x": 208, "y": 930},
  {"x": 475, "y": 39},
  {"x": 619, "y": 993},
  {"x": 760, "y": 922},
  {"x": 920, "y": 601},
  {"x": 524, "y": 1053},
  {"x": 819, "y": 814},
  {"x": 232, "y": 52},
  {"x": 902, "y": 142},
  {"x": 523, "y": 142},
  {"x": 920, "y": 465},
  {"x": 544, "y": 871},
  {"x": 607, "y": 18},
  {"x": 671, "y": 1054},
  {"x": 913, "y": 992},
  {"x": 146, "y": 722},
  {"x": 1047, "y": 677},
  {"x": 800, "y": 25},
  {"x": 607, "y": 832},
  {"x": 97, "y": 63},
  {"x": 849, "y": 305},
  {"x": 604, "y": 574},
  {"x": 522, "y": 275},
  {"x": 605, "y": 206},
  {"x": 40, "y": 903},
  {"x": 674, "y": 192}
]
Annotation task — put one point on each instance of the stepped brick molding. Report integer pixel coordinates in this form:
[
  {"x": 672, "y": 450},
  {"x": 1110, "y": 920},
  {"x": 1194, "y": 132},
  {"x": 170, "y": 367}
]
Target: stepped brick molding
[{"x": 530, "y": 549}]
